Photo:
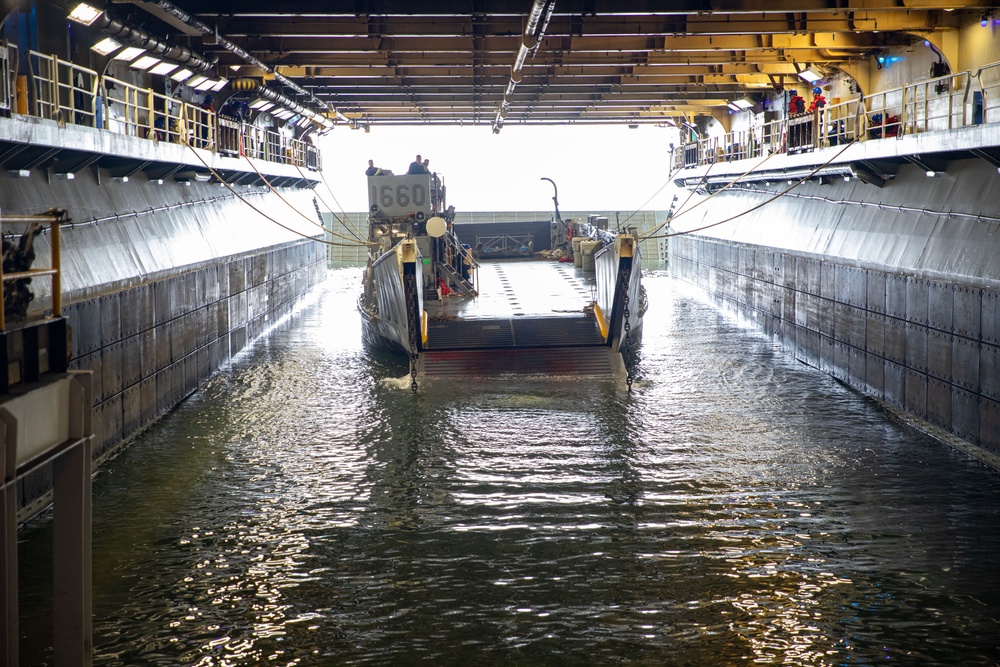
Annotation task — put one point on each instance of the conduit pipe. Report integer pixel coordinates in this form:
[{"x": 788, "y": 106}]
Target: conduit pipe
[
  {"x": 534, "y": 32},
  {"x": 276, "y": 97},
  {"x": 133, "y": 35},
  {"x": 210, "y": 31}
]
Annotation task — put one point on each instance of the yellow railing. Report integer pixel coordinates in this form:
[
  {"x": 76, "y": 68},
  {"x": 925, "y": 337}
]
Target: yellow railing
[
  {"x": 63, "y": 91},
  {"x": 942, "y": 103},
  {"x": 53, "y": 218},
  {"x": 76, "y": 95}
]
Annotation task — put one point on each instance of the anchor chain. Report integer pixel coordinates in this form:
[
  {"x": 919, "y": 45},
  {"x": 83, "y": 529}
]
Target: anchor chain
[
  {"x": 623, "y": 280},
  {"x": 628, "y": 328},
  {"x": 411, "y": 327}
]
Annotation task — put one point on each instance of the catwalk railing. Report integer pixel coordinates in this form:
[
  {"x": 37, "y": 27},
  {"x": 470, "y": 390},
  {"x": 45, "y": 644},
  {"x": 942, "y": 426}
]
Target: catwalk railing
[
  {"x": 75, "y": 95},
  {"x": 943, "y": 103}
]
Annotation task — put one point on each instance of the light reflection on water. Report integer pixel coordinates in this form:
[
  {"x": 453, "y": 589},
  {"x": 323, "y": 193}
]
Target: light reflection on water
[{"x": 737, "y": 508}]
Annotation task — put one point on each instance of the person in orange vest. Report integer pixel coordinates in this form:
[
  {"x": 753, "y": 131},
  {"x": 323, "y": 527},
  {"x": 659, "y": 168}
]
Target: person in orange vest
[
  {"x": 818, "y": 101},
  {"x": 796, "y": 103}
]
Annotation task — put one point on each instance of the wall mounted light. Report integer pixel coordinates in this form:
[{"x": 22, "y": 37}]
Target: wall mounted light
[
  {"x": 145, "y": 62},
  {"x": 106, "y": 46},
  {"x": 85, "y": 14},
  {"x": 164, "y": 68},
  {"x": 811, "y": 75},
  {"x": 129, "y": 53}
]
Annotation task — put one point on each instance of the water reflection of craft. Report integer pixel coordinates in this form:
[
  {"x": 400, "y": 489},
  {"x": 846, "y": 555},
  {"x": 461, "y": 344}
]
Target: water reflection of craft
[{"x": 425, "y": 295}]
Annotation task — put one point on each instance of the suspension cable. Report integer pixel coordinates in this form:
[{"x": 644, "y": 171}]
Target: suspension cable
[
  {"x": 265, "y": 215},
  {"x": 292, "y": 206},
  {"x": 760, "y": 205},
  {"x": 704, "y": 179},
  {"x": 346, "y": 222}
]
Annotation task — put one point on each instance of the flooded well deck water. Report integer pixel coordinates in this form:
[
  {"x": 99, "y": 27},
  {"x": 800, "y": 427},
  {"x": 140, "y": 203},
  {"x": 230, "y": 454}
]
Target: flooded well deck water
[{"x": 737, "y": 508}]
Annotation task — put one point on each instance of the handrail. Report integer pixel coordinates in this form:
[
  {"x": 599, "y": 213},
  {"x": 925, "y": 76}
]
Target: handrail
[
  {"x": 941, "y": 103},
  {"x": 71, "y": 94},
  {"x": 54, "y": 217}
]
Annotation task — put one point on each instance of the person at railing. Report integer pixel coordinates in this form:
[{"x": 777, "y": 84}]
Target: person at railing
[
  {"x": 818, "y": 101},
  {"x": 207, "y": 120},
  {"x": 372, "y": 170},
  {"x": 796, "y": 103}
]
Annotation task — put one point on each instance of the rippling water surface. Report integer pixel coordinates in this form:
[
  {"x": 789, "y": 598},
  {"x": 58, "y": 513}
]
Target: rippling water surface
[{"x": 738, "y": 508}]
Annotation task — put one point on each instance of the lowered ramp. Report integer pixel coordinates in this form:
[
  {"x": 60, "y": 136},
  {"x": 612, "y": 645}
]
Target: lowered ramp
[
  {"x": 513, "y": 332},
  {"x": 596, "y": 362}
]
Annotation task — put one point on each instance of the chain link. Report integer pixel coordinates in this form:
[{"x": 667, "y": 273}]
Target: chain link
[
  {"x": 623, "y": 281},
  {"x": 411, "y": 327}
]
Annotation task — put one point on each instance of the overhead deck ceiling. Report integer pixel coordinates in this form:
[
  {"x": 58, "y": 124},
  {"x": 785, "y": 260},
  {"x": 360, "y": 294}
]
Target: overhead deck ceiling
[{"x": 599, "y": 61}]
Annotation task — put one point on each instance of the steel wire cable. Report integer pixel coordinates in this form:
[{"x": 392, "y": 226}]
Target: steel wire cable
[
  {"x": 265, "y": 215},
  {"x": 753, "y": 208}
]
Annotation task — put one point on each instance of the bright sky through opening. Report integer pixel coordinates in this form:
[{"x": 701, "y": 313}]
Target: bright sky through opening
[{"x": 597, "y": 168}]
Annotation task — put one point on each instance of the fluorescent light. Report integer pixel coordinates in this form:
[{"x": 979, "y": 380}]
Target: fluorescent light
[
  {"x": 261, "y": 103},
  {"x": 129, "y": 53},
  {"x": 743, "y": 104},
  {"x": 164, "y": 68},
  {"x": 220, "y": 84},
  {"x": 106, "y": 46},
  {"x": 811, "y": 75},
  {"x": 181, "y": 75},
  {"x": 145, "y": 62},
  {"x": 732, "y": 106},
  {"x": 196, "y": 81},
  {"x": 85, "y": 14},
  {"x": 202, "y": 85}
]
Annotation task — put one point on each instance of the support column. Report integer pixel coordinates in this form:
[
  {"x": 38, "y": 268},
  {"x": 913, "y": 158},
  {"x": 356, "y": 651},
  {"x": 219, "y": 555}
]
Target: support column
[
  {"x": 71, "y": 537},
  {"x": 8, "y": 538}
]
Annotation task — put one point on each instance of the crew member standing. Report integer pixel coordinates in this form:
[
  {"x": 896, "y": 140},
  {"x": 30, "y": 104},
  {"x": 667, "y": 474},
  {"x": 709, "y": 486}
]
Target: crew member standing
[
  {"x": 796, "y": 103},
  {"x": 818, "y": 101},
  {"x": 372, "y": 169},
  {"x": 417, "y": 167}
]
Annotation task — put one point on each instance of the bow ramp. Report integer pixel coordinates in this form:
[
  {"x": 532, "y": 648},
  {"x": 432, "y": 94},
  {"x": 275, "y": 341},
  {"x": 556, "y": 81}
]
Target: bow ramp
[{"x": 542, "y": 325}]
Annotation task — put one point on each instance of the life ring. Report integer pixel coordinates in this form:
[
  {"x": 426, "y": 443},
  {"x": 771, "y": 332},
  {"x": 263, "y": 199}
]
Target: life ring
[{"x": 569, "y": 233}]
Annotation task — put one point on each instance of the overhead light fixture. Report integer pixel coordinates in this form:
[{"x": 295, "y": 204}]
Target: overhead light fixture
[
  {"x": 164, "y": 68},
  {"x": 202, "y": 85},
  {"x": 145, "y": 62},
  {"x": 811, "y": 75},
  {"x": 197, "y": 81},
  {"x": 742, "y": 104},
  {"x": 182, "y": 75},
  {"x": 261, "y": 104},
  {"x": 732, "y": 106},
  {"x": 106, "y": 46},
  {"x": 129, "y": 53},
  {"x": 85, "y": 14},
  {"x": 219, "y": 85}
]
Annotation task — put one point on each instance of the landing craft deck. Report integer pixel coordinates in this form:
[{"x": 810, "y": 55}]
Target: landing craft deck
[{"x": 522, "y": 288}]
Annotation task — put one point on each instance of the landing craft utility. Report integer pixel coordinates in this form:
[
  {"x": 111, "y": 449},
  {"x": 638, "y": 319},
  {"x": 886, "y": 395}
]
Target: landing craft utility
[{"x": 454, "y": 312}]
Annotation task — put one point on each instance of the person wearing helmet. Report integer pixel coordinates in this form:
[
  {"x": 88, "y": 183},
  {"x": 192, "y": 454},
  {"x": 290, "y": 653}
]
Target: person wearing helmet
[
  {"x": 818, "y": 101},
  {"x": 796, "y": 103}
]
